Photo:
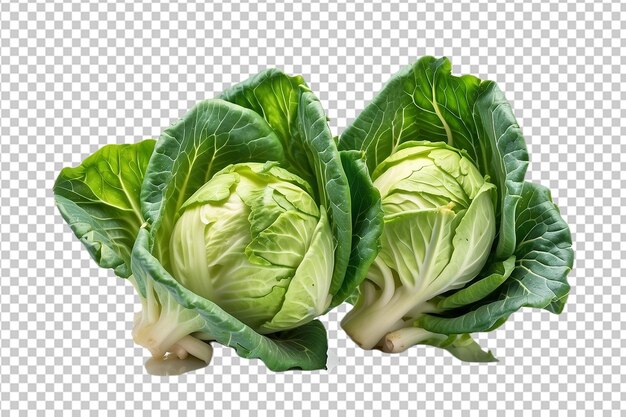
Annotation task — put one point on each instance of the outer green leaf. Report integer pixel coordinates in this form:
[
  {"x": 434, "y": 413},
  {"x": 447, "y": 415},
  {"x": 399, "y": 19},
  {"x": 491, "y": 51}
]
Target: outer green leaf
[
  {"x": 425, "y": 102},
  {"x": 301, "y": 348},
  {"x": 544, "y": 257},
  {"x": 331, "y": 181},
  {"x": 492, "y": 277},
  {"x": 504, "y": 158},
  {"x": 276, "y": 97},
  {"x": 99, "y": 199},
  {"x": 214, "y": 134},
  {"x": 367, "y": 223},
  {"x": 298, "y": 119}
]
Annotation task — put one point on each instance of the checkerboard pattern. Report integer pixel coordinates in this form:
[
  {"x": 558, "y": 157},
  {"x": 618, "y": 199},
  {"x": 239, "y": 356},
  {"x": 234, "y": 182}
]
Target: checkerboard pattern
[{"x": 77, "y": 75}]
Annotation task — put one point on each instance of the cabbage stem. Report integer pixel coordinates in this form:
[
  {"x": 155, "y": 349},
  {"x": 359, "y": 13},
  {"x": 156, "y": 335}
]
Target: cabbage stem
[
  {"x": 194, "y": 347},
  {"x": 368, "y": 324},
  {"x": 165, "y": 326},
  {"x": 402, "y": 339}
]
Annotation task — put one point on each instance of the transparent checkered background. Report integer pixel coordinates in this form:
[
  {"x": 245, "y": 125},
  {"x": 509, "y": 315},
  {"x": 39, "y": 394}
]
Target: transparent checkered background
[{"x": 79, "y": 75}]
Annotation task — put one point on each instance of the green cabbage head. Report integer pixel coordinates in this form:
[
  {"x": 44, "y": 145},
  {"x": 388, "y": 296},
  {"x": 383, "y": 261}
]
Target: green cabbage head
[
  {"x": 254, "y": 241},
  {"x": 439, "y": 227}
]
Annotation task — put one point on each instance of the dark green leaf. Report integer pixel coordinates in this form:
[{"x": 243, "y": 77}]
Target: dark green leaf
[
  {"x": 488, "y": 281},
  {"x": 367, "y": 223},
  {"x": 332, "y": 184},
  {"x": 276, "y": 97},
  {"x": 99, "y": 199},
  {"x": 504, "y": 158}
]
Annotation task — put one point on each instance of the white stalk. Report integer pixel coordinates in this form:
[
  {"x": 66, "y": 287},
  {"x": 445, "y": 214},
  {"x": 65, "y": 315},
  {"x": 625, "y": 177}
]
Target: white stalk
[
  {"x": 165, "y": 326},
  {"x": 402, "y": 339},
  {"x": 368, "y": 325}
]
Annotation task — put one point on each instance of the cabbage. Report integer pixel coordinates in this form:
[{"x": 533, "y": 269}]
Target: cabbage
[
  {"x": 235, "y": 227},
  {"x": 466, "y": 240}
]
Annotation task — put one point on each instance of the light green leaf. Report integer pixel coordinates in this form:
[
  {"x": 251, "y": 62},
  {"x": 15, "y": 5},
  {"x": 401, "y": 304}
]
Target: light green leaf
[
  {"x": 473, "y": 239},
  {"x": 419, "y": 254},
  {"x": 307, "y": 296},
  {"x": 99, "y": 199},
  {"x": 285, "y": 240}
]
